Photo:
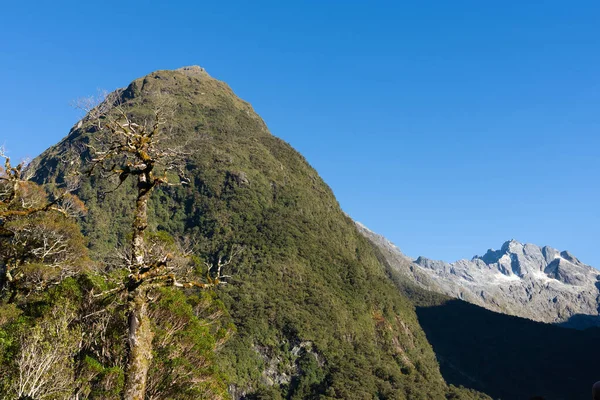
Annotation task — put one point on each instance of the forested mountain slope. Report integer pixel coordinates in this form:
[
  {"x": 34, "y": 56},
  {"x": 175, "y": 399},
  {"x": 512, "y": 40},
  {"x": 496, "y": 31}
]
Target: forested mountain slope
[{"x": 316, "y": 314}]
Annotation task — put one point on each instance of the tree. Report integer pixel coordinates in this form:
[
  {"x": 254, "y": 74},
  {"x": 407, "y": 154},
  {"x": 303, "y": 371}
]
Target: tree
[
  {"x": 40, "y": 244},
  {"x": 44, "y": 366},
  {"x": 125, "y": 148}
]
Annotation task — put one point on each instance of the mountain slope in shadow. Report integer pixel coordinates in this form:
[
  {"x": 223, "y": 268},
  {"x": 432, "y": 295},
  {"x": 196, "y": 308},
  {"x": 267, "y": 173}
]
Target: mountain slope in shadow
[{"x": 509, "y": 357}]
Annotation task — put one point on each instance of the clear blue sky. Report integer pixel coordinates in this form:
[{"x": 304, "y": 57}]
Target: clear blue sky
[{"x": 447, "y": 126}]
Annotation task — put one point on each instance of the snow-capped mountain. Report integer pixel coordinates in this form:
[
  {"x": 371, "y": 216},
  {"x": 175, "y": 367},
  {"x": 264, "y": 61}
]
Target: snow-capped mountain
[{"x": 540, "y": 283}]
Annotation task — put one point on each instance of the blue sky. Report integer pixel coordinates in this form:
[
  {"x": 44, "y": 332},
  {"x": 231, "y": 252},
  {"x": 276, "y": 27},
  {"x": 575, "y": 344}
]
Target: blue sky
[{"x": 448, "y": 127}]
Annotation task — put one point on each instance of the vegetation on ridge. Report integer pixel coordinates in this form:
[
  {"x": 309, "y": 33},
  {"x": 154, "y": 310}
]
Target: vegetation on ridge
[
  {"x": 58, "y": 338},
  {"x": 126, "y": 149}
]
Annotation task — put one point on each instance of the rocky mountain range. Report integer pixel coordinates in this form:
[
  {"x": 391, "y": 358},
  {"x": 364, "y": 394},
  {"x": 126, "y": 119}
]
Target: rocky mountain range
[{"x": 539, "y": 283}]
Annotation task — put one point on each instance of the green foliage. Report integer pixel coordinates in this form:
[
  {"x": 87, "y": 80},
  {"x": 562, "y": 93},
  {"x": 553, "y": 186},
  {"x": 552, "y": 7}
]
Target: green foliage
[
  {"x": 38, "y": 249},
  {"x": 462, "y": 393},
  {"x": 188, "y": 330},
  {"x": 309, "y": 381},
  {"x": 100, "y": 382}
]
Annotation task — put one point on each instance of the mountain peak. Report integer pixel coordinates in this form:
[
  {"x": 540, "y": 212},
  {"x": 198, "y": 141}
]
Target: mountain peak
[
  {"x": 250, "y": 190},
  {"x": 521, "y": 279},
  {"x": 510, "y": 244}
]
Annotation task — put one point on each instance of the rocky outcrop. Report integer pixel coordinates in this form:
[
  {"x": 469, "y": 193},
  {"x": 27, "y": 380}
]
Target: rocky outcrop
[{"x": 539, "y": 283}]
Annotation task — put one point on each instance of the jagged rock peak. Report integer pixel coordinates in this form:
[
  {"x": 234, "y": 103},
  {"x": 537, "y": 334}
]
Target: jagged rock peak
[{"x": 513, "y": 248}]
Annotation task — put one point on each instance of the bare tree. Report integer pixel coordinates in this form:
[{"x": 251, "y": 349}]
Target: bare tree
[
  {"x": 39, "y": 242},
  {"x": 45, "y": 363},
  {"x": 127, "y": 147}
]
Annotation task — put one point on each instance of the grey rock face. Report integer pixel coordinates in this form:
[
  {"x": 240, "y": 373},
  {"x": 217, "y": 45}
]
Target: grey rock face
[{"x": 539, "y": 283}]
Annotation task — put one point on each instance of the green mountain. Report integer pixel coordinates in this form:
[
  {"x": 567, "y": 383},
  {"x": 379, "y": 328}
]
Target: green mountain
[{"x": 316, "y": 314}]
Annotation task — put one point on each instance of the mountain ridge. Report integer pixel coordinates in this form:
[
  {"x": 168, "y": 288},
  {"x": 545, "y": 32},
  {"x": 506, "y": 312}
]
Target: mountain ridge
[{"x": 526, "y": 280}]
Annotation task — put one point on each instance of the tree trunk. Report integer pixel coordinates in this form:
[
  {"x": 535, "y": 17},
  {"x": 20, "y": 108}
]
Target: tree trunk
[
  {"x": 140, "y": 219},
  {"x": 140, "y": 330},
  {"x": 140, "y": 347}
]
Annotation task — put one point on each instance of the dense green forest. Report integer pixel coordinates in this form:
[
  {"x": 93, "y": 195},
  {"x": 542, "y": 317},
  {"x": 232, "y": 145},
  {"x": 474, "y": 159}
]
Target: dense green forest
[{"x": 308, "y": 310}]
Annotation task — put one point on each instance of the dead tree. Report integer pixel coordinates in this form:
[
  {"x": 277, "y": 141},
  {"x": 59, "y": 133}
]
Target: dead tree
[
  {"x": 127, "y": 148},
  {"x": 45, "y": 366}
]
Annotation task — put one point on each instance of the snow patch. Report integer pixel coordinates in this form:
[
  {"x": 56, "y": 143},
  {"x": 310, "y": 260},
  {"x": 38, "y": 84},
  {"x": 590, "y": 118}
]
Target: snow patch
[
  {"x": 499, "y": 278},
  {"x": 541, "y": 276}
]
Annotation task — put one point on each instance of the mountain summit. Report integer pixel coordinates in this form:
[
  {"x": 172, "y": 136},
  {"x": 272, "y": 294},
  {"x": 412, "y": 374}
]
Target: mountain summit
[{"x": 539, "y": 283}]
